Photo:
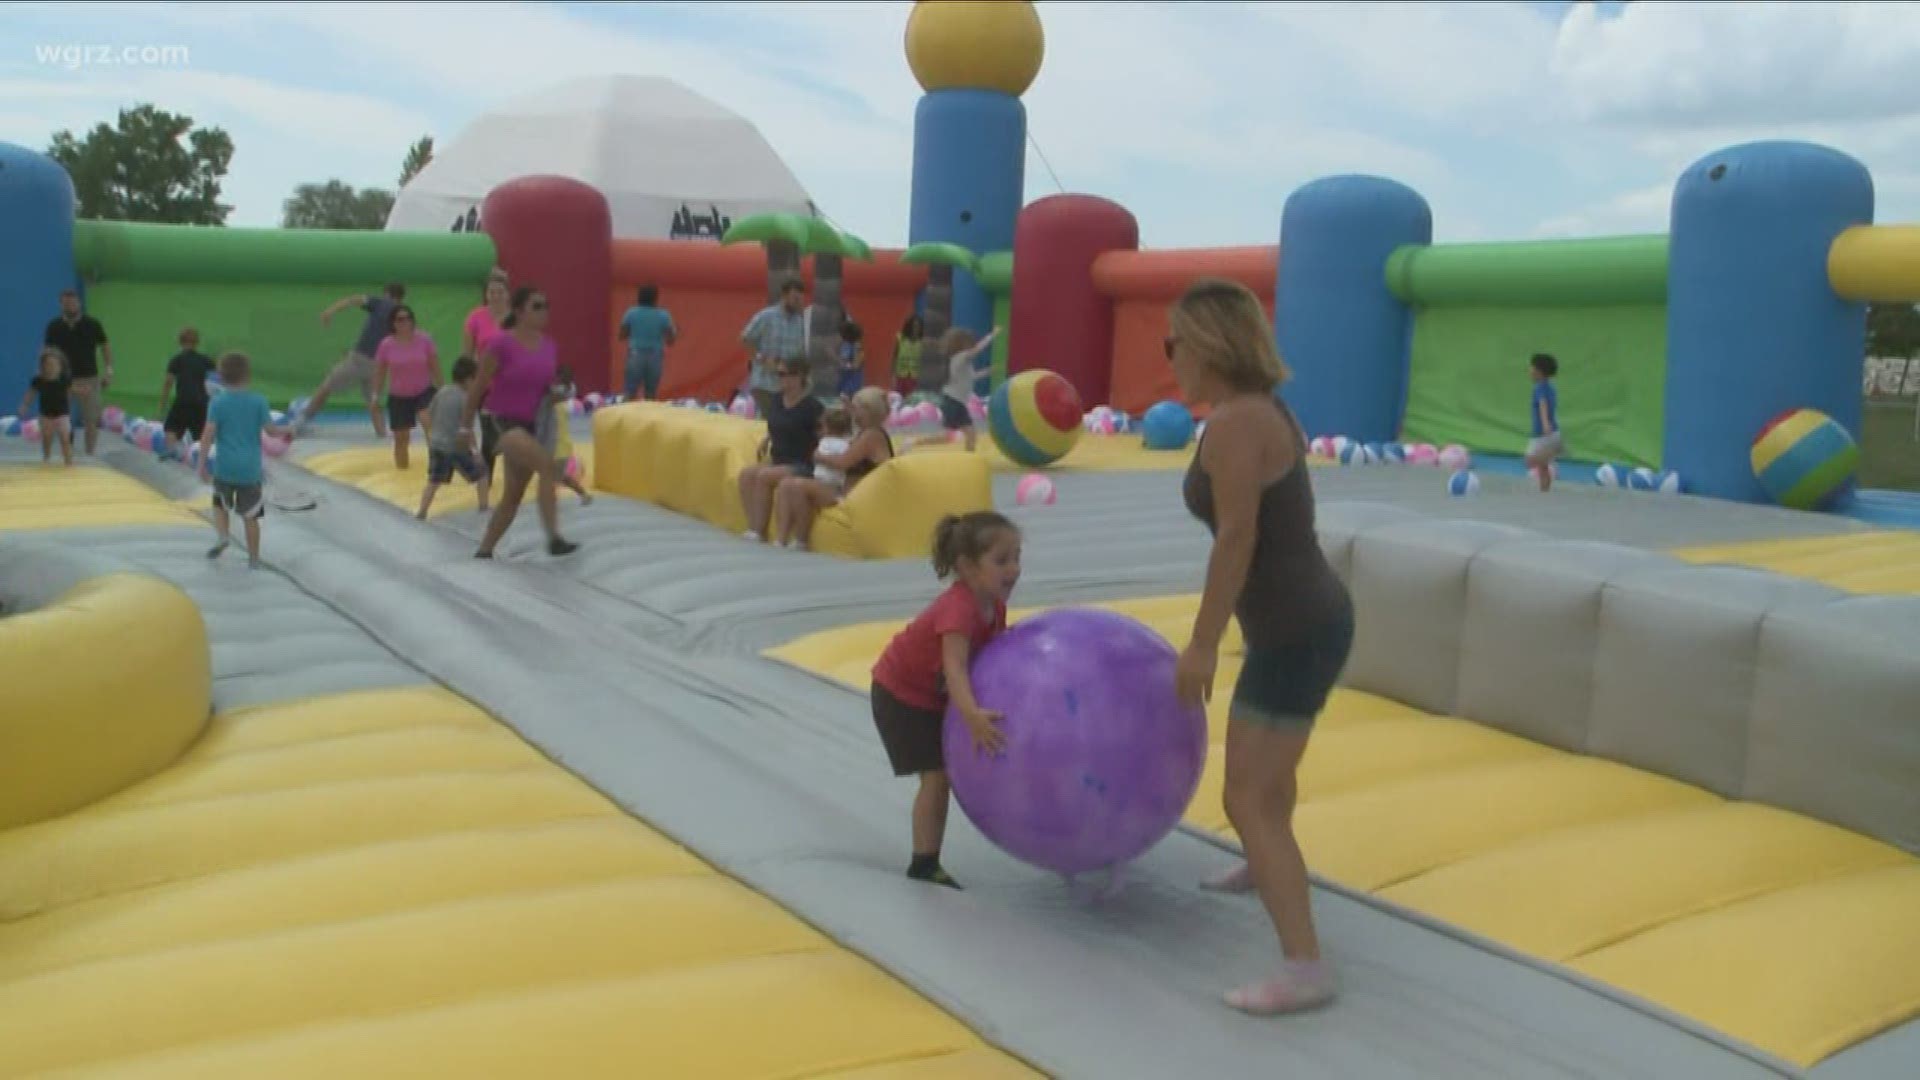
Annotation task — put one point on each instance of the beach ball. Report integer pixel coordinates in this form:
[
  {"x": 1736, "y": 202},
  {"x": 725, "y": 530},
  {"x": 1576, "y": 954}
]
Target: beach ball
[
  {"x": 1097, "y": 423},
  {"x": 928, "y": 412},
  {"x": 113, "y": 418},
  {"x": 1354, "y": 453},
  {"x": 9, "y": 425},
  {"x": 274, "y": 445},
  {"x": 1423, "y": 454},
  {"x": 1669, "y": 483},
  {"x": 1167, "y": 426},
  {"x": 30, "y": 429},
  {"x": 742, "y": 407},
  {"x": 1034, "y": 490},
  {"x": 1393, "y": 454},
  {"x": 595, "y": 399},
  {"x": 1608, "y": 475},
  {"x": 1034, "y": 418},
  {"x": 1462, "y": 484},
  {"x": 977, "y": 408},
  {"x": 711, "y": 406},
  {"x": 1101, "y": 756},
  {"x": 1456, "y": 458},
  {"x": 1643, "y": 479},
  {"x": 1320, "y": 447},
  {"x": 1804, "y": 459}
]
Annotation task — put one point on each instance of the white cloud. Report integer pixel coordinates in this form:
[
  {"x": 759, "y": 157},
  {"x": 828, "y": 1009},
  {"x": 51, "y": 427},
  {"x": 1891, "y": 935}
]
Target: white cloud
[
  {"x": 1643, "y": 210},
  {"x": 1714, "y": 64}
]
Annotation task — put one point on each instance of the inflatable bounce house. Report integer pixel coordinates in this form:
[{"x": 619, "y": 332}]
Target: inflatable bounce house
[{"x": 1611, "y": 784}]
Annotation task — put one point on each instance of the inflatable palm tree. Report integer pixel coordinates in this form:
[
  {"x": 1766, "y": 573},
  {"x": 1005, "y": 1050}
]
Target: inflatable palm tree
[
  {"x": 787, "y": 237},
  {"x": 941, "y": 259}
]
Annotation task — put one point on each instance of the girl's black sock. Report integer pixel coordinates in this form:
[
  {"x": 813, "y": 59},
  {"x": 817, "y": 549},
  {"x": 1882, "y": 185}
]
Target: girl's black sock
[{"x": 926, "y": 867}]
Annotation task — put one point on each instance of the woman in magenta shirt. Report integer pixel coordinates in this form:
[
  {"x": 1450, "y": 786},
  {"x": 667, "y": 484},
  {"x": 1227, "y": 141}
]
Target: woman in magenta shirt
[
  {"x": 516, "y": 368},
  {"x": 406, "y": 368}
]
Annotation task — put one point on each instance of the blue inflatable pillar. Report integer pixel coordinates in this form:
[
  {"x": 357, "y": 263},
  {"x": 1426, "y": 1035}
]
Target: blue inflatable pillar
[
  {"x": 1754, "y": 327},
  {"x": 1346, "y": 338},
  {"x": 969, "y": 177},
  {"x": 36, "y": 218}
]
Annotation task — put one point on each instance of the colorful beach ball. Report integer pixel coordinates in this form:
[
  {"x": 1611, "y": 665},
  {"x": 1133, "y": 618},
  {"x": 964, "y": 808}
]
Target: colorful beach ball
[
  {"x": 1034, "y": 418},
  {"x": 1804, "y": 459},
  {"x": 1462, "y": 484}
]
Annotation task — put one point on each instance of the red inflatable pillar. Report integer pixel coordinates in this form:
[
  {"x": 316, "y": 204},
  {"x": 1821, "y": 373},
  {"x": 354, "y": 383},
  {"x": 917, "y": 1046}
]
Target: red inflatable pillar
[
  {"x": 1059, "y": 321},
  {"x": 557, "y": 234}
]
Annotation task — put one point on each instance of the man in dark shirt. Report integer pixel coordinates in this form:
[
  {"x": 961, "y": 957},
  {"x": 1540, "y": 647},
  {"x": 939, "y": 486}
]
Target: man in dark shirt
[
  {"x": 186, "y": 384},
  {"x": 83, "y": 341},
  {"x": 357, "y": 365}
]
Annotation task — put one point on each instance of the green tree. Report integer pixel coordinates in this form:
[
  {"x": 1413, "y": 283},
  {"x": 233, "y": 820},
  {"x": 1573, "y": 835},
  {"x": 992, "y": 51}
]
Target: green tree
[
  {"x": 419, "y": 155},
  {"x": 150, "y": 165},
  {"x": 1893, "y": 330},
  {"x": 334, "y": 205}
]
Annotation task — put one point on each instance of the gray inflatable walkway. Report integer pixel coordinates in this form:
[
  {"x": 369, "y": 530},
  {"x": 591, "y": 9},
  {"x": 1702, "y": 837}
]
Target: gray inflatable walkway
[{"x": 635, "y": 664}]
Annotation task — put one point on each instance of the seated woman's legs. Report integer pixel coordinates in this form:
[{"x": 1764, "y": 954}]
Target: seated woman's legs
[
  {"x": 805, "y": 497},
  {"x": 757, "y": 484}
]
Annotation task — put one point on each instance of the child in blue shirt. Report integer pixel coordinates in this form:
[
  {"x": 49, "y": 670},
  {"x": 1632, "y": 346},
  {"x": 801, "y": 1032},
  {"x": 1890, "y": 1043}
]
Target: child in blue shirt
[
  {"x": 853, "y": 359},
  {"x": 230, "y": 453},
  {"x": 1546, "y": 443}
]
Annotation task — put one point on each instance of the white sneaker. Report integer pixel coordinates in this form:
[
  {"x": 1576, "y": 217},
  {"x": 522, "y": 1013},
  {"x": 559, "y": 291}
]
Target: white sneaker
[{"x": 753, "y": 536}]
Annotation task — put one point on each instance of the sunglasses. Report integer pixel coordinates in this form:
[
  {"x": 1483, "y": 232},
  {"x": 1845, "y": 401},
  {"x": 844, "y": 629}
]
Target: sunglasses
[
  {"x": 1168, "y": 344},
  {"x": 537, "y": 305}
]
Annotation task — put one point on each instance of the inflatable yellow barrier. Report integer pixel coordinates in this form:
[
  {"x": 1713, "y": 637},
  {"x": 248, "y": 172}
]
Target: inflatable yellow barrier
[
  {"x": 689, "y": 461},
  {"x": 390, "y": 878},
  {"x": 370, "y": 468},
  {"x": 1792, "y": 934},
  {"x": 105, "y": 686},
  {"x": 37, "y": 497}
]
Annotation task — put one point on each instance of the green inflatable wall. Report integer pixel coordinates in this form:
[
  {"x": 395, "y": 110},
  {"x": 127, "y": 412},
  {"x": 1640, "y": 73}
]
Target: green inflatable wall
[
  {"x": 1481, "y": 310},
  {"x": 261, "y": 292}
]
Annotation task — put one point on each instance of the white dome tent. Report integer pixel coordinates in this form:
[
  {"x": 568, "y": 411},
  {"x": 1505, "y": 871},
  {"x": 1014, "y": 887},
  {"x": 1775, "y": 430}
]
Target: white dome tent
[{"x": 672, "y": 164}]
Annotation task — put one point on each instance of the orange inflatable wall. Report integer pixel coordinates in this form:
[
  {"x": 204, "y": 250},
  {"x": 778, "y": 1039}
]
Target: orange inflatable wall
[
  {"x": 1143, "y": 285},
  {"x": 712, "y": 291}
]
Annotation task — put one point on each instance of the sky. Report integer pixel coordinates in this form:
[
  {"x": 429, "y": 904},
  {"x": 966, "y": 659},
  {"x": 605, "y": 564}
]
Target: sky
[{"x": 1516, "y": 121}]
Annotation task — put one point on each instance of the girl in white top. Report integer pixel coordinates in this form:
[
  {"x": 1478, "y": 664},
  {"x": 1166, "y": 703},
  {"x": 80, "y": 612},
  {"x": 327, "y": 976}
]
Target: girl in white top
[{"x": 836, "y": 427}]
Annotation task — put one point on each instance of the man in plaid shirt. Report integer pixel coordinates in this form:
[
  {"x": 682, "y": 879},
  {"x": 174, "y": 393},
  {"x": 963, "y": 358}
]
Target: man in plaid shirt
[{"x": 775, "y": 334}]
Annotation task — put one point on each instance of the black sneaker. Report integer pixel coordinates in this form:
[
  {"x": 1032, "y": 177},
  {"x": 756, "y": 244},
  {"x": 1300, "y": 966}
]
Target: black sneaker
[
  {"x": 218, "y": 549},
  {"x": 557, "y": 547}
]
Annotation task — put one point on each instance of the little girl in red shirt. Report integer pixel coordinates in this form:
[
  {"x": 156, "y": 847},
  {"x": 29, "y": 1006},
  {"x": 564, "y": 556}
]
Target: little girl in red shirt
[{"x": 926, "y": 665}]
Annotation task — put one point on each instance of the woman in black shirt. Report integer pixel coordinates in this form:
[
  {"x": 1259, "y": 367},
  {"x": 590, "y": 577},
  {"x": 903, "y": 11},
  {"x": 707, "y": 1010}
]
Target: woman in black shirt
[{"x": 793, "y": 427}]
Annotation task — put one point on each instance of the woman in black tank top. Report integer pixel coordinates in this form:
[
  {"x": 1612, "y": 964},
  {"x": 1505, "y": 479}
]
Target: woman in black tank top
[
  {"x": 1250, "y": 486},
  {"x": 799, "y": 499}
]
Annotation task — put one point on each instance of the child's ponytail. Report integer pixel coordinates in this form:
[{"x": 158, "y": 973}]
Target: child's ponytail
[{"x": 966, "y": 537}]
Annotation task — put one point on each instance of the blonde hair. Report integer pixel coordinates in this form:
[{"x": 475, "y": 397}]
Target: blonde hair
[
  {"x": 870, "y": 402},
  {"x": 836, "y": 422},
  {"x": 1225, "y": 328},
  {"x": 957, "y": 340}
]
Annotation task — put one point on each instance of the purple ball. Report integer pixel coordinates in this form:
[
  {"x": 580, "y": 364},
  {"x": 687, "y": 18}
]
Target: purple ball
[{"x": 1101, "y": 757}]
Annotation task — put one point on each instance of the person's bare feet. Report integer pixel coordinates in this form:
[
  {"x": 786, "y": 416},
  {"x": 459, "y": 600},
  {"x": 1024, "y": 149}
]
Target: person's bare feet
[
  {"x": 1237, "y": 880},
  {"x": 1303, "y": 984}
]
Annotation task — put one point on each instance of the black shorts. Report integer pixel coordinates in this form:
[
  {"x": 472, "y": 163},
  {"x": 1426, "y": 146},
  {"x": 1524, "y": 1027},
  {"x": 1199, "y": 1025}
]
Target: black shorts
[
  {"x": 489, "y": 440},
  {"x": 242, "y": 499},
  {"x": 186, "y": 418},
  {"x": 910, "y": 734},
  {"x": 442, "y": 464},
  {"x": 954, "y": 415},
  {"x": 1288, "y": 685},
  {"x": 403, "y": 411}
]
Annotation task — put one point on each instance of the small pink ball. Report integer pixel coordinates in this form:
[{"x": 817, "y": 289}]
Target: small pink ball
[
  {"x": 1456, "y": 458},
  {"x": 274, "y": 445},
  {"x": 1034, "y": 490}
]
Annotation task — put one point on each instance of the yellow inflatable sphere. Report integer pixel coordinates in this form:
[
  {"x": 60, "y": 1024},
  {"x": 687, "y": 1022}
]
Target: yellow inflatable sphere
[{"x": 975, "y": 44}]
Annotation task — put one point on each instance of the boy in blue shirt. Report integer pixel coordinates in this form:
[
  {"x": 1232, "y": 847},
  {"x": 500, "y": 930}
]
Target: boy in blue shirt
[
  {"x": 230, "y": 453},
  {"x": 1546, "y": 442}
]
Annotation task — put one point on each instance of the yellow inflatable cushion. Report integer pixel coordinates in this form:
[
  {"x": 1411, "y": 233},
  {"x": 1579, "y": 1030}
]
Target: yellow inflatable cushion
[
  {"x": 1791, "y": 934},
  {"x": 328, "y": 887},
  {"x": 1866, "y": 562},
  {"x": 689, "y": 461},
  {"x": 371, "y": 469},
  {"x": 105, "y": 686},
  {"x": 36, "y": 497}
]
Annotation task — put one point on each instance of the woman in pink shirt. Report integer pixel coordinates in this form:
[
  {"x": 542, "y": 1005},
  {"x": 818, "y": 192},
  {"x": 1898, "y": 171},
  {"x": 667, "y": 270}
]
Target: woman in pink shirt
[
  {"x": 516, "y": 369},
  {"x": 482, "y": 326},
  {"x": 406, "y": 368}
]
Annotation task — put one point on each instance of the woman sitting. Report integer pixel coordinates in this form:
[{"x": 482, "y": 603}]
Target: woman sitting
[
  {"x": 793, "y": 427},
  {"x": 799, "y": 499}
]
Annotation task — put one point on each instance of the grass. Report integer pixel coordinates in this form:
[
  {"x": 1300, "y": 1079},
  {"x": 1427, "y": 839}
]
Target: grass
[{"x": 1889, "y": 456}]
